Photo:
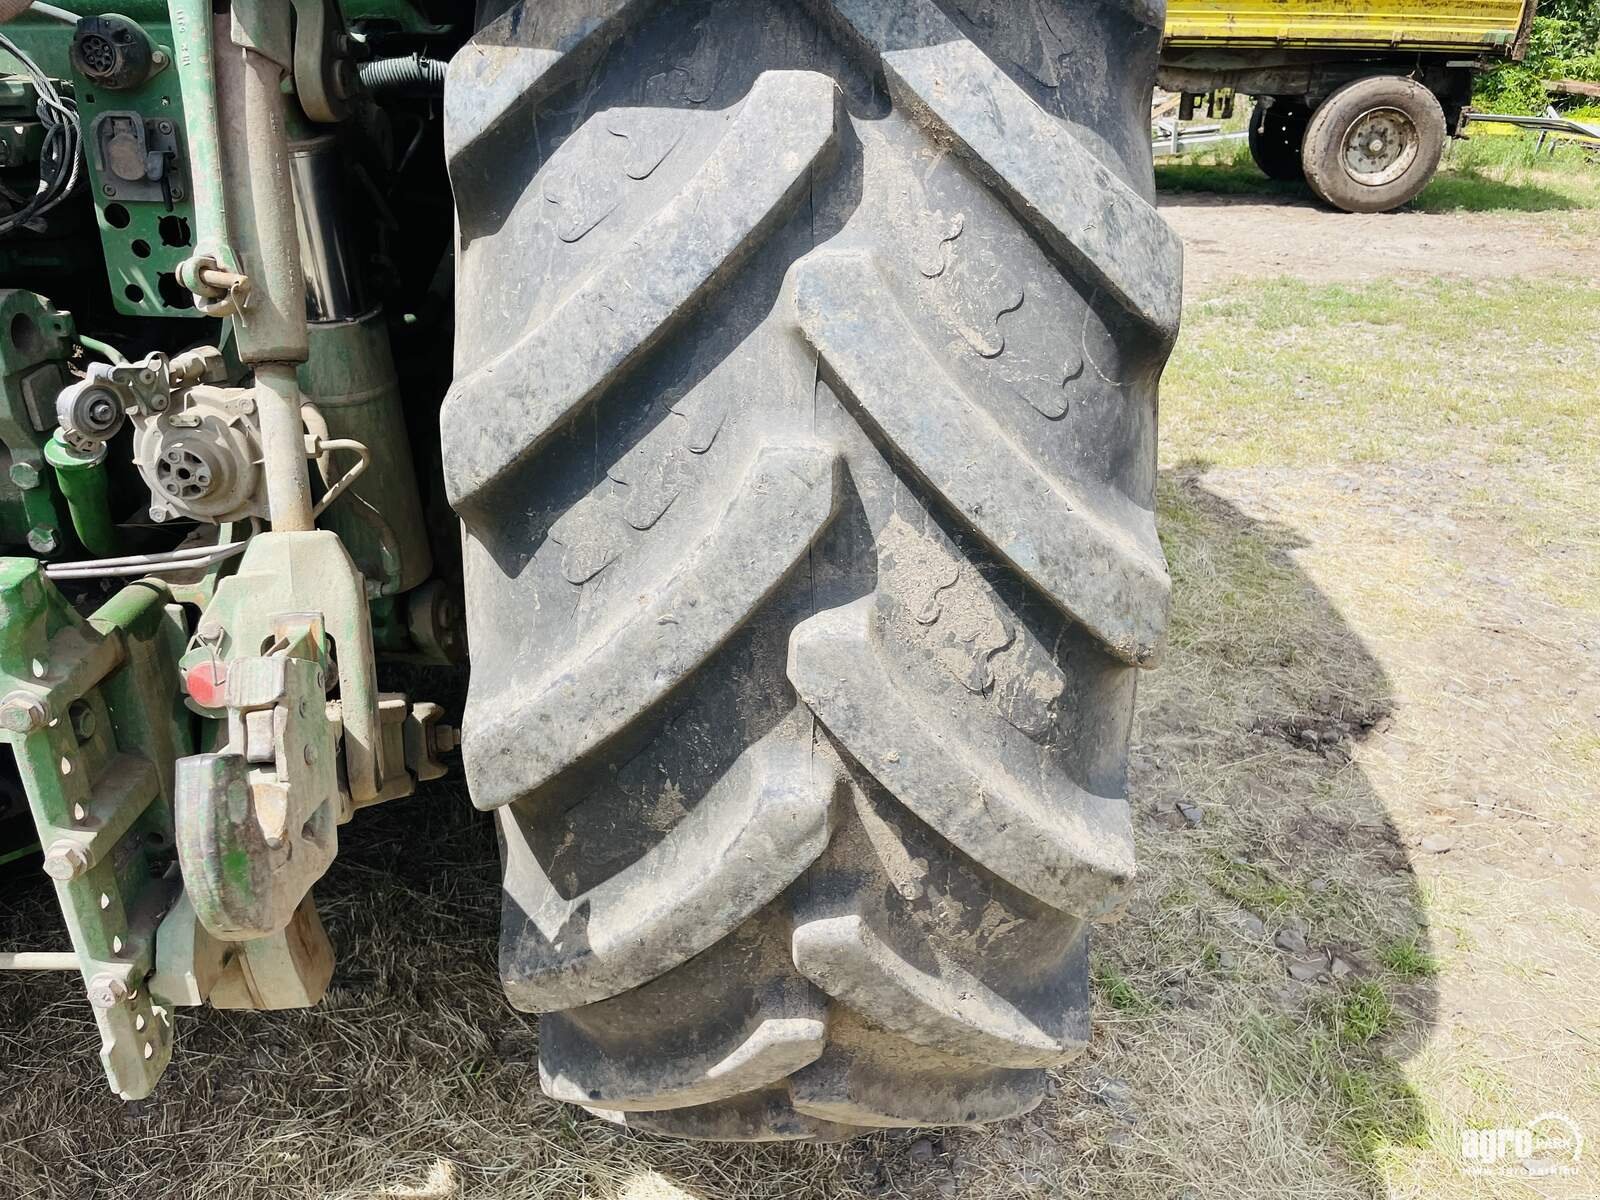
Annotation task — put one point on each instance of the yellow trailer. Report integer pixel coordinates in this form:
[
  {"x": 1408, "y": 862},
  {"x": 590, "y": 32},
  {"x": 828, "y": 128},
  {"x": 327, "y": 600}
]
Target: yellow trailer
[
  {"x": 1491, "y": 27},
  {"x": 1356, "y": 96}
]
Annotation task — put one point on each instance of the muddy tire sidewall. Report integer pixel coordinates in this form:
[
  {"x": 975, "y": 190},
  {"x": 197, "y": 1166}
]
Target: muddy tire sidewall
[{"x": 1386, "y": 103}]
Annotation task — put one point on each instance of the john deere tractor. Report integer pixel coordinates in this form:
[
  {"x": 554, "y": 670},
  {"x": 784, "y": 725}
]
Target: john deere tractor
[{"x": 757, "y": 397}]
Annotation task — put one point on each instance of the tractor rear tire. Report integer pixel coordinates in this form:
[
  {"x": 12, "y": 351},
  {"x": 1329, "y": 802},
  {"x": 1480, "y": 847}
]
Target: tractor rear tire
[
  {"x": 803, "y": 436},
  {"x": 1275, "y": 133},
  {"x": 1374, "y": 144}
]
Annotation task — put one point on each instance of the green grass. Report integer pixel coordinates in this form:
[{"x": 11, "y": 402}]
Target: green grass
[
  {"x": 1120, "y": 992},
  {"x": 1227, "y": 171},
  {"x": 1503, "y": 374},
  {"x": 1490, "y": 172},
  {"x": 1494, "y": 171},
  {"x": 1292, "y": 373},
  {"x": 1362, "y": 1013},
  {"x": 1253, "y": 887},
  {"x": 1242, "y": 574},
  {"x": 1361, "y": 1099},
  {"x": 1380, "y": 1112},
  {"x": 1408, "y": 958}
]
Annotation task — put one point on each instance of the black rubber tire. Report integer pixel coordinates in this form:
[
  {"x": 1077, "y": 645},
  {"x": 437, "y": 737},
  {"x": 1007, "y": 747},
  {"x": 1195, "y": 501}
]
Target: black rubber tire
[
  {"x": 804, "y": 439},
  {"x": 1339, "y": 118},
  {"x": 1275, "y": 133}
]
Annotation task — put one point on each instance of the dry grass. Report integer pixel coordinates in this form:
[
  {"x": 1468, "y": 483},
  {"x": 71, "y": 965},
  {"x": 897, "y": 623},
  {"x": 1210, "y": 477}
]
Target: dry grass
[
  {"x": 413, "y": 1074},
  {"x": 1429, "y": 628}
]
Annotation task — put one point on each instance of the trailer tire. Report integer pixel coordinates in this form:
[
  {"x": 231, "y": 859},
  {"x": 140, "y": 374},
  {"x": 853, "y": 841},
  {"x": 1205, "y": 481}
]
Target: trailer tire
[
  {"x": 1374, "y": 144},
  {"x": 1275, "y": 134},
  {"x": 803, "y": 435}
]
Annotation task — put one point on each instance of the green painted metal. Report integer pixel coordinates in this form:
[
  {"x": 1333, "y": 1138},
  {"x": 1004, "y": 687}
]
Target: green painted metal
[
  {"x": 254, "y": 837},
  {"x": 143, "y": 240},
  {"x": 21, "y": 136},
  {"x": 349, "y": 376},
  {"x": 46, "y": 40},
  {"x": 85, "y": 491},
  {"x": 95, "y": 708},
  {"x": 92, "y": 710},
  {"x": 35, "y": 342},
  {"x": 389, "y": 633},
  {"x": 190, "y": 21},
  {"x": 404, "y": 17}
]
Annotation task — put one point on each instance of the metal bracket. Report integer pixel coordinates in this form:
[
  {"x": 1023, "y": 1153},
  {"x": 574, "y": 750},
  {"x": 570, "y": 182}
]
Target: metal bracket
[
  {"x": 289, "y": 969},
  {"x": 256, "y": 819},
  {"x": 308, "y": 572},
  {"x": 324, "y": 77},
  {"x": 257, "y": 823},
  {"x": 88, "y": 712}
]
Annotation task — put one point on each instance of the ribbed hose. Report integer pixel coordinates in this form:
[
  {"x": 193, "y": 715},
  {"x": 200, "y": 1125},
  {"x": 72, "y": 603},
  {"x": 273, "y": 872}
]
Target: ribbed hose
[{"x": 411, "y": 73}]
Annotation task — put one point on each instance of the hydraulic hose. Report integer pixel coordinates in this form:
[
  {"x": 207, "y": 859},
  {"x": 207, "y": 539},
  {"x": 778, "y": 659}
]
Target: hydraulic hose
[{"x": 408, "y": 73}]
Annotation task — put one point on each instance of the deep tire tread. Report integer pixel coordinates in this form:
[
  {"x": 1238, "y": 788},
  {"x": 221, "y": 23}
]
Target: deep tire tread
[{"x": 807, "y": 487}]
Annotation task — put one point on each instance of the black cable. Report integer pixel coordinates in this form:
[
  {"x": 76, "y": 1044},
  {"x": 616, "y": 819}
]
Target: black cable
[{"x": 63, "y": 142}]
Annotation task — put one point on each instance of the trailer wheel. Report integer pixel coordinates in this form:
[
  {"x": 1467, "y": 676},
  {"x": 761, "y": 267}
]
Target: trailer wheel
[
  {"x": 1374, "y": 144},
  {"x": 803, "y": 433},
  {"x": 1276, "y": 132}
]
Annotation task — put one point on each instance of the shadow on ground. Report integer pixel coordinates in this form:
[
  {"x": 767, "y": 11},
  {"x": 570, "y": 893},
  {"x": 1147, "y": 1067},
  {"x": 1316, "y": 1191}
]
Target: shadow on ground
[
  {"x": 1454, "y": 189},
  {"x": 1252, "y": 1002},
  {"x": 1214, "y": 1067},
  {"x": 1465, "y": 189}
]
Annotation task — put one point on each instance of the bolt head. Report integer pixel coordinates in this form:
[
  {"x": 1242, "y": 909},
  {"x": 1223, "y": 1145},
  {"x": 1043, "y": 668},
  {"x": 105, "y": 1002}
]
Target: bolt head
[
  {"x": 107, "y": 991},
  {"x": 42, "y": 540},
  {"x": 83, "y": 721},
  {"x": 25, "y": 475},
  {"x": 23, "y": 713},
  {"x": 102, "y": 413},
  {"x": 65, "y": 861}
]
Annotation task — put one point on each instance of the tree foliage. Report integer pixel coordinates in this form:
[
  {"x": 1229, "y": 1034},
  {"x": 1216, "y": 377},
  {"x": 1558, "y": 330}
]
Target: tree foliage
[{"x": 1564, "y": 43}]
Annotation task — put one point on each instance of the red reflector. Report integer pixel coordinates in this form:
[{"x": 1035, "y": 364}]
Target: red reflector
[{"x": 207, "y": 684}]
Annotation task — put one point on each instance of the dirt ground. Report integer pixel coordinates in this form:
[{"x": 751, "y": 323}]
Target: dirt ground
[
  {"x": 1227, "y": 238},
  {"x": 1364, "y": 782}
]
